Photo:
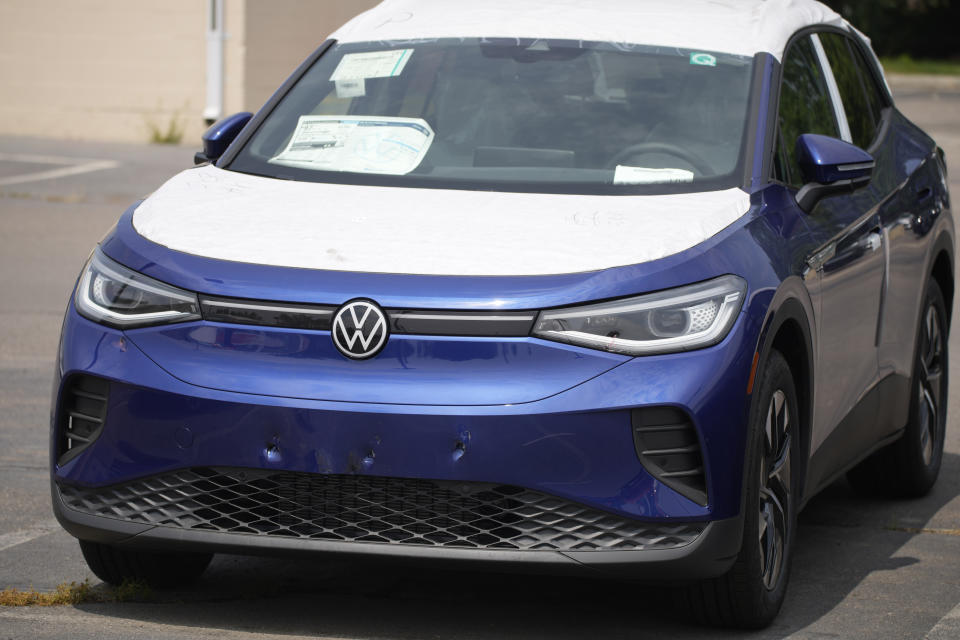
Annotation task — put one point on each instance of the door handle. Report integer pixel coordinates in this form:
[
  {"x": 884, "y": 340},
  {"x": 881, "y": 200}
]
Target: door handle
[
  {"x": 924, "y": 193},
  {"x": 872, "y": 242}
]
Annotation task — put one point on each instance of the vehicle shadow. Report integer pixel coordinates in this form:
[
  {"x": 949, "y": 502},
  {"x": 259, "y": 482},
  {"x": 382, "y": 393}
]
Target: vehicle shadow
[{"x": 842, "y": 539}]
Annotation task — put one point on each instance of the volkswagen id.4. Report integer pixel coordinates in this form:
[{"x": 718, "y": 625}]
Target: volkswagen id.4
[{"x": 602, "y": 287}]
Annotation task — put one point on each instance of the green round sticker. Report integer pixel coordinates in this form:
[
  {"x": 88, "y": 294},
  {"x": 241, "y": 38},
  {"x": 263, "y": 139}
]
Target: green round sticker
[{"x": 703, "y": 59}]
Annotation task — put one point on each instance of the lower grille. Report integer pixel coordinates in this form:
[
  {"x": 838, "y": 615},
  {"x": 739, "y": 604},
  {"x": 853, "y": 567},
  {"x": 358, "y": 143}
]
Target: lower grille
[
  {"x": 371, "y": 509},
  {"x": 83, "y": 410},
  {"x": 668, "y": 447}
]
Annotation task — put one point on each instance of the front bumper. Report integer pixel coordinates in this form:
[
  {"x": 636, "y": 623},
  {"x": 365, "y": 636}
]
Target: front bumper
[
  {"x": 575, "y": 447},
  {"x": 466, "y": 523}
]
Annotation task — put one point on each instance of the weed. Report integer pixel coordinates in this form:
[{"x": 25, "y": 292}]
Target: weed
[
  {"x": 69, "y": 198},
  {"x": 172, "y": 133},
  {"x": 132, "y": 591},
  {"x": 73, "y": 593}
]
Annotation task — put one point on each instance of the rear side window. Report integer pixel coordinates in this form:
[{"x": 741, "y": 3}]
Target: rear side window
[
  {"x": 805, "y": 105},
  {"x": 861, "y": 107}
]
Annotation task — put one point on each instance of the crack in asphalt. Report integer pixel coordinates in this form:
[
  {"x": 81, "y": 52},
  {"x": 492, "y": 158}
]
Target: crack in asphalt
[{"x": 939, "y": 532}]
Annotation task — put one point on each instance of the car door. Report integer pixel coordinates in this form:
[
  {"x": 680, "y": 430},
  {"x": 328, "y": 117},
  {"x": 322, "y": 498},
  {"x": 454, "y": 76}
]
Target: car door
[
  {"x": 845, "y": 267},
  {"x": 905, "y": 183}
]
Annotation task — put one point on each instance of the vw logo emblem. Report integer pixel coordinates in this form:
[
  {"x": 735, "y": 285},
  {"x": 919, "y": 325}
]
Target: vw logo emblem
[{"x": 360, "y": 329}]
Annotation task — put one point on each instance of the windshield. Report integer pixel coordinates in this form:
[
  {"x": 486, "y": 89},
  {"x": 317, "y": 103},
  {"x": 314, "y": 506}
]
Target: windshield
[{"x": 527, "y": 115}]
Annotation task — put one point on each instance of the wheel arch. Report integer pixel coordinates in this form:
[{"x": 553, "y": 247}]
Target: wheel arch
[
  {"x": 941, "y": 270},
  {"x": 789, "y": 329}
]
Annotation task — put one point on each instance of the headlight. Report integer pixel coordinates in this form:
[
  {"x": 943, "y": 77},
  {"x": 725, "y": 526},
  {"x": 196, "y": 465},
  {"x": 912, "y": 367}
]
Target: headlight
[
  {"x": 680, "y": 319},
  {"x": 111, "y": 294}
]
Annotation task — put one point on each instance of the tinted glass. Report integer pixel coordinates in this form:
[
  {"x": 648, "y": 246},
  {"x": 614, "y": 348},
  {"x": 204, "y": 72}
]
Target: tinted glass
[
  {"x": 875, "y": 96},
  {"x": 781, "y": 166},
  {"x": 551, "y": 115},
  {"x": 860, "y": 113},
  {"x": 805, "y": 105}
]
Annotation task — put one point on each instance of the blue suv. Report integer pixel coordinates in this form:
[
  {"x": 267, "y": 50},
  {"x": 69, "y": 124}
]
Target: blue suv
[{"x": 592, "y": 291}]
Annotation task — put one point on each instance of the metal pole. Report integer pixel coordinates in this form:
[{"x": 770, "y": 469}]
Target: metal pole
[{"x": 215, "y": 38}]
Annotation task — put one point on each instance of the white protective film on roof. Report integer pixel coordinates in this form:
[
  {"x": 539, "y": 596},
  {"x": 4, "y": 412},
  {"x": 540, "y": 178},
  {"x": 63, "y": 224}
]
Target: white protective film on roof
[
  {"x": 233, "y": 216},
  {"x": 742, "y": 27}
]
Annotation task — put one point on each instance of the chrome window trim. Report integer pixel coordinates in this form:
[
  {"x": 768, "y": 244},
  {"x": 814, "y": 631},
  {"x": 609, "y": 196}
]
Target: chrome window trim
[{"x": 832, "y": 89}]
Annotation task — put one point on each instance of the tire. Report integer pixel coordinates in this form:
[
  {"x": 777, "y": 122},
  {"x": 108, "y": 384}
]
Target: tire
[
  {"x": 159, "y": 570},
  {"x": 750, "y": 594},
  {"x": 908, "y": 468}
]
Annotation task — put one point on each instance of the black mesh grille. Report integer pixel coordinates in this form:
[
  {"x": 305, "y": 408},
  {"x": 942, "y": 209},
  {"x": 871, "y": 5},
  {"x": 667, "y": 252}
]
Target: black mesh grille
[
  {"x": 669, "y": 448},
  {"x": 370, "y": 509},
  {"x": 83, "y": 410}
]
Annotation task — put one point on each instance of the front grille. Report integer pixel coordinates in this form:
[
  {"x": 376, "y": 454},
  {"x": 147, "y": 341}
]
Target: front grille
[
  {"x": 315, "y": 317},
  {"x": 83, "y": 411},
  {"x": 372, "y": 509}
]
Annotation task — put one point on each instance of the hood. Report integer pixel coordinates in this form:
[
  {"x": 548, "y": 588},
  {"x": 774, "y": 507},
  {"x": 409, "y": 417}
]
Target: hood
[{"x": 225, "y": 215}]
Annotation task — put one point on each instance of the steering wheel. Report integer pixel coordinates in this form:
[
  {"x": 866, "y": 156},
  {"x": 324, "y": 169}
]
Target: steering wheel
[{"x": 667, "y": 148}]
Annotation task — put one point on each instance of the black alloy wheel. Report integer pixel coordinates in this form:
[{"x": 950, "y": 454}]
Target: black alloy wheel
[
  {"x": 929, "y": 388},
  {"x": 775, "y": 484}
]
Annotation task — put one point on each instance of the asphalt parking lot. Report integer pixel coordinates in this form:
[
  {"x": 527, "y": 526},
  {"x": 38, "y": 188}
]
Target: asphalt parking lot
[{"x": 863, "y": 568}]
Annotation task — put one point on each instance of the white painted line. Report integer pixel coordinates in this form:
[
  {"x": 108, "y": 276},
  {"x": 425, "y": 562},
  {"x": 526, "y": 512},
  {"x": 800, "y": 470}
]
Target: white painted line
[
  {"x": 59, "y": 173},
  {"x": 42, "y": 159},
  {"x": 75, "y": 166},
  {"x": 14, "y": 538},
  {"x": 948, "y": 628}
]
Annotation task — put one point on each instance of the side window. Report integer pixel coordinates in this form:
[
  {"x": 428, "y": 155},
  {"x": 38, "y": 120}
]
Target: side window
[
  {"x": 875, "y": 95},
  {"x": 863, "y": 116},
  {"x": 805, "y": 105},
  {"x": 781, "y": 167}
]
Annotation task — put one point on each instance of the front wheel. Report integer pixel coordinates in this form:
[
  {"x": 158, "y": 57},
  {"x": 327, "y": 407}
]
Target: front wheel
[
  {"x": 749, "y": 596},
  {"x": 159, "y": 570}
]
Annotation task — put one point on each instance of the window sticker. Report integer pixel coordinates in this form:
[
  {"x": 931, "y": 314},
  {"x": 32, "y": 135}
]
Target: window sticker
[
  {"x": 703, "y": 59},
  {"x": 644, "y": 175},
  {"x": 364, "y": 144},
  {"x": 351, "y": 88},
  {"x": 372, "y": 64}
]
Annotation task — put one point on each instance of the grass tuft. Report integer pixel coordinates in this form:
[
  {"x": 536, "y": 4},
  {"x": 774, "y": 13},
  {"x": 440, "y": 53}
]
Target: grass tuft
[
  {"x": 172, "y": 133},
  {"x": 73, "y": 593},
  {"x": 905, "y": 64},
  {"x": 132, "y": 591}
]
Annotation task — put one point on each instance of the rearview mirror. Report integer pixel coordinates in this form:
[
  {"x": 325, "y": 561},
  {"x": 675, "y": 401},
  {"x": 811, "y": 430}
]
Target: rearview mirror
[
  {"x": 218, "y": 137},
  {"x": 830, "y": 167}
]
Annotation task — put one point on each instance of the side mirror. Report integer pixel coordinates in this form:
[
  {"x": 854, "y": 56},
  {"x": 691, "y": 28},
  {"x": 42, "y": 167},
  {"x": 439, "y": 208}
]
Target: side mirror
[
  {"x": 218, "y": 137},
  {"x": 830, "y": 167}
]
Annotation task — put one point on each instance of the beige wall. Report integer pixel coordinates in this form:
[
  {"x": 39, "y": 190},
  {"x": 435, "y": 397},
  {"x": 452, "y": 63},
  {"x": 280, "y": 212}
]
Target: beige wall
[
  {"x": 99, "y": 69},
  {"x": 115, "y": 69},
  {"x": 281, "y": 33}
]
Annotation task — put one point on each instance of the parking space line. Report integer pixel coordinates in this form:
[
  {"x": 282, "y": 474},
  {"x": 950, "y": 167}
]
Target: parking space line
[
  {"x": 948, "y": 627},
  {"x": 8, "y": 540},
  {"x": 74, "y": 166}
]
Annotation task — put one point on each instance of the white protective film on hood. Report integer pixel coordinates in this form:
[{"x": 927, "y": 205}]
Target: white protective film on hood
[
  {"x": 233, "y": 216},
  {"x": 741, "y": 27}
]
